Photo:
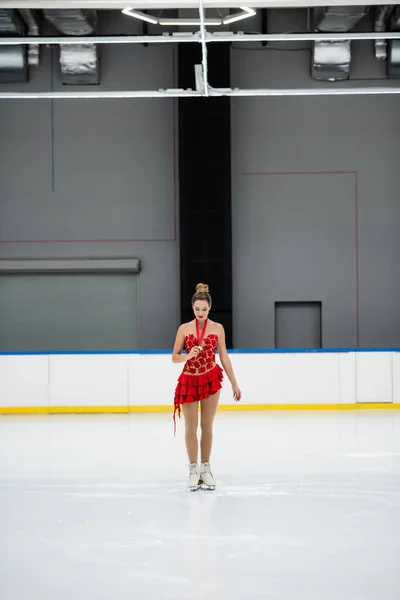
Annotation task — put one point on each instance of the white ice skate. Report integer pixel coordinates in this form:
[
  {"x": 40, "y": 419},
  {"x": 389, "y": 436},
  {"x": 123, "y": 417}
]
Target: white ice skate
[
  {"x": 194, "y": 476},
  {"x": 207, "y": 480}
]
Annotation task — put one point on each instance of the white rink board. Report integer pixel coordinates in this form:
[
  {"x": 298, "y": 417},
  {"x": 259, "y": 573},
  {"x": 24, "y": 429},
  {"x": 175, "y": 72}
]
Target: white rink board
[
  {"x": 285, "y": 378},
  {"x": 24, "y": 380},
  {"x": 374, "y": 377},
  {"x": 129, "y": 380},
  {"x": 347, "y": 377},
  {"x": 396, "y": 377},
  {"x": 89, "y": 380},
  {"x": 152, "y": 379}
]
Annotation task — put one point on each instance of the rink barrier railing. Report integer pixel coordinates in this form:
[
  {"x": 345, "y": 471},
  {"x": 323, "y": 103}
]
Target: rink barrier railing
[
  {"x": 124, "y": 381},
  {"x": 231, "y": 351}
]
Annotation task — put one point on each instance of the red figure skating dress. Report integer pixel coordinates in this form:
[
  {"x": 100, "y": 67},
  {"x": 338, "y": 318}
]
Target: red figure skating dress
[{"x": 201, "y": 376}]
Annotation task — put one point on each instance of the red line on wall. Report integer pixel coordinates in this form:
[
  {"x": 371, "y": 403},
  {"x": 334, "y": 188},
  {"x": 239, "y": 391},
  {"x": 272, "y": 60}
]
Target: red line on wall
[
  {"x": 303, "y": 173},
  {"x": 355, "y": 175},
  {"x": 357, "y": 258}
]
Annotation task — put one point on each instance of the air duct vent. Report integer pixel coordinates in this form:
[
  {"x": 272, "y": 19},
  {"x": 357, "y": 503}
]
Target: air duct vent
[
  {"x": 331, "y": 60},
  {"x": 393, "y": 63},
  {"x": 79, "y": 63},
  {"x": 31, "y": 21},
  {"x": 13, "y": 62},
  {"x": 381, "y": 17}
]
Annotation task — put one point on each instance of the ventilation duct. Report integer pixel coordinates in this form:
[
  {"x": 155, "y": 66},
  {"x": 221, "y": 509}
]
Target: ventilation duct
[
  {"x": 338, "y": 19},
  {"x": 395, "y": 20},
  {"x": 79, "y": 63},
  {"x": 30, "y": 19},
  {"x": 393, "y": 64},
  {"x": 10, "y": 23},
  {"x": 13, "y": 63},
  {"x": 331, "y": 60},
  {"x": 381, "y": 17}
]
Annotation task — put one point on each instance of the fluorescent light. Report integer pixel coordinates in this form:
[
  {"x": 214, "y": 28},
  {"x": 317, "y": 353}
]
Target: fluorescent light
[
  {"x": 244, "y": 14},
  {"x": 247, "y": 12},
  {"x": 139, "y": 15},
  {"x": 183, "y": 22}
]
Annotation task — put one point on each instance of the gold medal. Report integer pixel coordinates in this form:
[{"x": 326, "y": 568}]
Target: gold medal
[{"x": 200, "y": 337}]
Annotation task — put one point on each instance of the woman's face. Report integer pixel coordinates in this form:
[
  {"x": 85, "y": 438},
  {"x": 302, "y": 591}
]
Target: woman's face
[{"x": 201, "y": 308}]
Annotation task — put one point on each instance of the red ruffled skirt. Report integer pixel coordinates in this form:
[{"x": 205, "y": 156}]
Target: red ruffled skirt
[{"x": 194, "y": 388}]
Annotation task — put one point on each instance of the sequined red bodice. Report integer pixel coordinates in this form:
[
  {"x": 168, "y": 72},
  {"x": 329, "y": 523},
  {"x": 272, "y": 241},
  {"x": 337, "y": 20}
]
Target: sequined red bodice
[{"x": 205, "y": 361}]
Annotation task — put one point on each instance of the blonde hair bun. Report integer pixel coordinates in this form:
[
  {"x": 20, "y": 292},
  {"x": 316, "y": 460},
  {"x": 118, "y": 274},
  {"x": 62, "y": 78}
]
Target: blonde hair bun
[{"x": 202, "y": 288}]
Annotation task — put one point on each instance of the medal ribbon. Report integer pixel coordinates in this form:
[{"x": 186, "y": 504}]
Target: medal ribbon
[{"x": 200, "y": 338}]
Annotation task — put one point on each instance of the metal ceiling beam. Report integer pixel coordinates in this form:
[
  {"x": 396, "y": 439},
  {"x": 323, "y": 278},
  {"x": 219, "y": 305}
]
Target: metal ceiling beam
[
  {"x": 215, "y": 92},
  {"x": 173, "y": 93},
  {"x": 171, "y": 4},
  {"x": 323, "y": 91},
  {"x": 203, "y": 37},
  {"x": 117, "y": 39},
  {"x": 196, "y": 38}
]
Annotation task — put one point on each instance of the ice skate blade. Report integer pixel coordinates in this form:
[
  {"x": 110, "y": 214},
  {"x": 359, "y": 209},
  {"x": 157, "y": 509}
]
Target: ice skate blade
[
  {"x": 194, "y": 488},
  {"x": 209, "y": 488}
]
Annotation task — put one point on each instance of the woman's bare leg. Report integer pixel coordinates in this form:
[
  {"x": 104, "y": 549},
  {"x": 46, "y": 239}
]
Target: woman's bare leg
[
  {"x": 191, "y": 415},
  {"x": 208, "y": 410}
]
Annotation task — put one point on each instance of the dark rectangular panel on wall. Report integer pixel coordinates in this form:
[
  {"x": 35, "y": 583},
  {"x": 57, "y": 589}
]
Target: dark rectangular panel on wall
[
  {"x": 68, "y": 312},
  {"x": 205, "y": 185}
]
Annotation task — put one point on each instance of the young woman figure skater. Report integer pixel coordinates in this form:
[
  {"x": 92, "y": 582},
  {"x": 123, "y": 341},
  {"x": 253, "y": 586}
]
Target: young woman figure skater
[{"x": 200, "y": 383}]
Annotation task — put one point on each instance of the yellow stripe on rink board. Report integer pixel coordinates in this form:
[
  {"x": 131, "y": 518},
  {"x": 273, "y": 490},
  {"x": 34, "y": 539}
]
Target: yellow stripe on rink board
[
  {"x": 44, "y": 410},
  {"x": 358, "y": 405}
]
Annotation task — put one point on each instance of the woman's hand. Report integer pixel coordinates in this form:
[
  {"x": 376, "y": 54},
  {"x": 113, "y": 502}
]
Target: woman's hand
[
  {"x": 193, "y": 353},
  {"x": 237, "y": 394}
]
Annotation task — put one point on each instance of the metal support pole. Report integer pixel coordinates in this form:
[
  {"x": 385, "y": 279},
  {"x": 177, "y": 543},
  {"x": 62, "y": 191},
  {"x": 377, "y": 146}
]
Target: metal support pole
[
  {"x": 203, "y": 48},
  {"x": 197, "y": 37}
]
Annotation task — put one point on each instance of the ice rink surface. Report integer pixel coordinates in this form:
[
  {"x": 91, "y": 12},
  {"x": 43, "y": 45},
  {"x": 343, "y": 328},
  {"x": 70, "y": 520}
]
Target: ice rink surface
[{"x": 95, "y": 507}]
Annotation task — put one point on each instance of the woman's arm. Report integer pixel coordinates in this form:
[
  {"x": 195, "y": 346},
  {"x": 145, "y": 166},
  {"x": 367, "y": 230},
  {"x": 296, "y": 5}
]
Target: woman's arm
[
  {"x": 177, "y": 356},
  {"x": 178, "y": 347},
  {"x": 226, "y": 363}
]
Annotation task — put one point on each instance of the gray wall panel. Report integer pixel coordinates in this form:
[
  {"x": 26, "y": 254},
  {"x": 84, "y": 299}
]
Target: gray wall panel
[
  {"x": 294, "y": 236},
  {"x": 113, "y": 179}
]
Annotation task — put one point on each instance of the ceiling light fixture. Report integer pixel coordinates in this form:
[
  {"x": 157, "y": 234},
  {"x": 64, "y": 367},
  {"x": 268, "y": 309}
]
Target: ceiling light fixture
[
  {"x": 189, "y": 22},
  {"x": 137, "y": 14},
  {"x": 245, "y": 14}
]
